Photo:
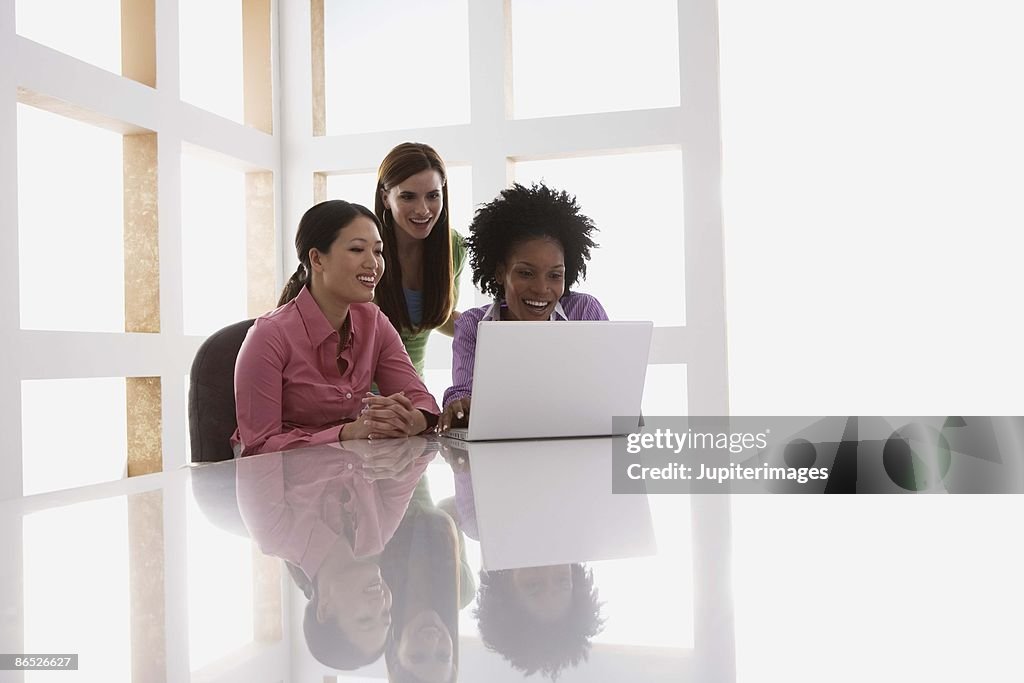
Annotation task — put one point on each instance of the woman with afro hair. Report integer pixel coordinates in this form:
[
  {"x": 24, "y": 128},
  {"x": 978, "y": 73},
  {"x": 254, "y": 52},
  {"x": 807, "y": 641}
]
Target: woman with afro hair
[{"x": 529, "y": 247}]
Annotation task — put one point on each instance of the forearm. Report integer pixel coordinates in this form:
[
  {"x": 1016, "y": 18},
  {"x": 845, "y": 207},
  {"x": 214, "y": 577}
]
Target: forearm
[
  {"x": 287, "y": 440},
  {"x": 448, "y": 328}
]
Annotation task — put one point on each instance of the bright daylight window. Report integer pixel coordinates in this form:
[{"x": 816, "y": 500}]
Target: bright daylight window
[
  {"x": 70, "y": 224},
  {"x": 89, "y": 31},
  {"x": 93, "y": 410},
  {"x": 578, "y": 57},
  {"x": 665, "y": 390},
  {"x": 210, "y": 40},
  {"x": 883, "y": 183},
  {"x": 213, "y": 243},
  {"x": 393, "y": 64}
]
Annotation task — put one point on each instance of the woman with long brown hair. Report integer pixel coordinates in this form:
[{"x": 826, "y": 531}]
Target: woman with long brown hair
[{"x": 419, "y": 289}]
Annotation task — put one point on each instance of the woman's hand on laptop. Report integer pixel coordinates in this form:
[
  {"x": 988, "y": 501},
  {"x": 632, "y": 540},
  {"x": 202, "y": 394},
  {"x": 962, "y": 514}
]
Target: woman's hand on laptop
[{"x": 456, "y": 414}]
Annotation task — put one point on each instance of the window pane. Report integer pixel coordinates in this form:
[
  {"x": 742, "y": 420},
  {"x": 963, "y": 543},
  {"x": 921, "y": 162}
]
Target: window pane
[
  {"x": 210, "y": 40},
  {"x": 70, "y": 224},
  {"x": 577, "y": 56},
  {"x": 665, "y": 390},
  {"x": 89, "y": 31},
  {"x": 881, "y": 186},
  {"x": 77, "y": 588},
  {"x": 74, "y": 432},
  {"x": 220, "y": 613},
  {"x": 393, "y": 64},
  {"x": 439, "y": 379},
  {"x": 636, "y": 202},
  {"x": 353, "y": 187},
  {"x": 213, "y": 244}
]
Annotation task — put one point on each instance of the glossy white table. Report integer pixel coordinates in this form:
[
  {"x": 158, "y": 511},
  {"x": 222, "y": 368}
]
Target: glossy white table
[{"x": 157, "y": 578}]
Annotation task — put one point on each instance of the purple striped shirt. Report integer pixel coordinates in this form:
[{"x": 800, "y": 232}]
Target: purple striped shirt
[{"x": 572, "y": 306}]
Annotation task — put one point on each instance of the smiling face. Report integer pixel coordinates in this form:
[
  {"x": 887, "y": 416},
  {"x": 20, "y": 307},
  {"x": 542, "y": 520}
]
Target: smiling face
[
  {"x": 544, "y": 592},
  {"x": 358, "y": 601},
  {"x": 425, "y": 648},
  {"x": 533, "y": 275},
  {"x": 349, "y": 271},
  {"x": 416, "y": 203}
]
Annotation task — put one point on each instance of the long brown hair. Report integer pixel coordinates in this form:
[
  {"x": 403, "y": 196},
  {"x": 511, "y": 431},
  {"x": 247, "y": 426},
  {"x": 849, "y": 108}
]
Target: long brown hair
[
  {"x": 402, "y": 162},
  {"x": 425, "y": 548}
]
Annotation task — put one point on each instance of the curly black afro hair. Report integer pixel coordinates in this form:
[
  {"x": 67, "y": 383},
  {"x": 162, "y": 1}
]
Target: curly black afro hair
[
  {"x": 532, "y": 646},
  {"x": 521, "y": 213}
]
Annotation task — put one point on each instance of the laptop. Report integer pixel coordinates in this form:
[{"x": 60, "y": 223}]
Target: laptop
[{"x": 547, "y": 379}]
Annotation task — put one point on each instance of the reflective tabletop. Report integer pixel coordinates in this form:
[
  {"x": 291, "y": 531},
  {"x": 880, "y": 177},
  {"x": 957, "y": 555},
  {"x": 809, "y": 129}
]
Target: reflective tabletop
[
  {"x": 407, "y": 560},
  {"x": 433, "y": 560}
]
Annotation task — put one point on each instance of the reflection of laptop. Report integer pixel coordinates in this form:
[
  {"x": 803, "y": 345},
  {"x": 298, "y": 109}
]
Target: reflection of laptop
[
  {"x": 568, "y": 515},
  {"x": 545, "y": 379}
]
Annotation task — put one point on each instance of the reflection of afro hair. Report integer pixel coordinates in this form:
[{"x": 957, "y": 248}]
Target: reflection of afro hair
[
  {"x": 530, "y": 645},
  {"x": 521, "y": 213}
]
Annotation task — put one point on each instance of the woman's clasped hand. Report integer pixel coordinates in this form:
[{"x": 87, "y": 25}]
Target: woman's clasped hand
[{"x": 386, "y": 417}]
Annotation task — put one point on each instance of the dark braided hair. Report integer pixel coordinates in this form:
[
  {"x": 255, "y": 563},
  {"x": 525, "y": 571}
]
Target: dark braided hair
[{"x": 318, "y": 229}]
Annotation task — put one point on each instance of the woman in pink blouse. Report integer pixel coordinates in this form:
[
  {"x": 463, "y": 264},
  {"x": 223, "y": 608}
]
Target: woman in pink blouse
[{"x": 304, "y": 371}]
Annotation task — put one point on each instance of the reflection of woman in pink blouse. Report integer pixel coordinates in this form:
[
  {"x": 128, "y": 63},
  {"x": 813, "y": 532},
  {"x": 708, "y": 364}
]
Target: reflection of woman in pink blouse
[
  {"x": 304, "y": 372},
  {"x": 330, "y": 516}
]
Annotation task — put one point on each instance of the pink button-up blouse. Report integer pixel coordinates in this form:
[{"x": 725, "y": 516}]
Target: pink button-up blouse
[{"x": 289, "y": 390}]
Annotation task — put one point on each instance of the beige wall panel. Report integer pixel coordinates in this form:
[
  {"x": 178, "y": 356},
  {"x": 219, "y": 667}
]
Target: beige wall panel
[
  {"x": 138, "y": 41},
  {"x": 145, "y": 451},
  {"x": 256, "y": 65},
  {"x": 141, "y": 235},
  {"x": 319, "y": 187},
  {"x": 319, "y": 102}
]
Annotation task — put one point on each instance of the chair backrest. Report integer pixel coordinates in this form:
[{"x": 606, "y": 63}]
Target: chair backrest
[{"x": 211, "y": 394}]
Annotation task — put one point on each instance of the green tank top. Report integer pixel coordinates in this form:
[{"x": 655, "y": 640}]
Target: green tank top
[{"x": 416, "y": 342}]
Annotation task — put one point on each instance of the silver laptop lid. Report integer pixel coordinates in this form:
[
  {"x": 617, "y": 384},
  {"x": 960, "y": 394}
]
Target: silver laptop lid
[{"x": 556, "y": 379}]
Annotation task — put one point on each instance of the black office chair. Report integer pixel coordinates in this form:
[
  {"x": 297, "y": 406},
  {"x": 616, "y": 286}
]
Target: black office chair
[
  {"x": 211, "y": 422},
  {"x": 211, "y": 394}
]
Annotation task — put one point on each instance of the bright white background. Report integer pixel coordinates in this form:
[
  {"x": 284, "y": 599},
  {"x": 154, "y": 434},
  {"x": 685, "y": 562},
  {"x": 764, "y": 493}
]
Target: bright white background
[
  {"x": 873, "y": 214},
  {"x": 394, "y": 64},
  {"x": 873, "y": 227}
]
